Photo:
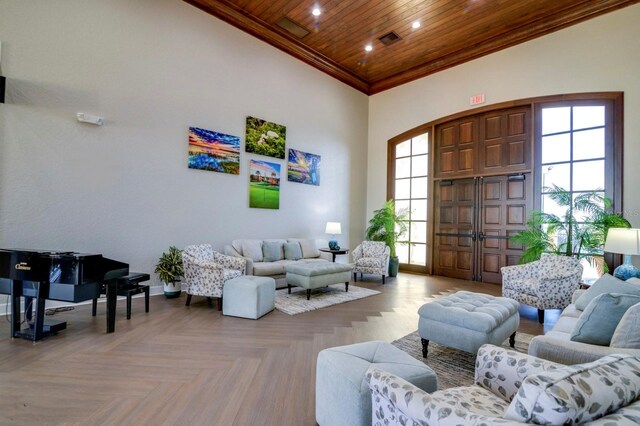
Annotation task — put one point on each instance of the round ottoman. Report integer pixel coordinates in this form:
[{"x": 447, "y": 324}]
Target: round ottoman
[
  {"x": 343, "y": 396},
  {"x": 248, "y": 296},
  {"x": 466, "y": 321}
]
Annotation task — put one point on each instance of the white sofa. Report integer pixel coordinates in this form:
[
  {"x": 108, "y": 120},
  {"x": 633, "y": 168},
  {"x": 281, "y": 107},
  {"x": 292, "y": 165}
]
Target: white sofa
[{"x": 252, "y": 251}]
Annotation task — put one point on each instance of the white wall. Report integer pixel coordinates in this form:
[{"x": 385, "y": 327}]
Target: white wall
[
  {"x": 602, "y": 54},
  {"x": 152, "y": 69}
]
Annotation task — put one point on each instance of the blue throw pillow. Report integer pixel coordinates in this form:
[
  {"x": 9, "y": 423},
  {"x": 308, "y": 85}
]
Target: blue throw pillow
[
  {"x": 601, "y": 317},
  {"x": 292, "y": 251},
  {"x": 606, "y": 284},
  {"x": 271, "y": 251}
]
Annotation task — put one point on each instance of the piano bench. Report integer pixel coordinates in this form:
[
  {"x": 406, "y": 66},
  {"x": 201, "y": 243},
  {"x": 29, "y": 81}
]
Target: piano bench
[{"x": 128, "y": 286}]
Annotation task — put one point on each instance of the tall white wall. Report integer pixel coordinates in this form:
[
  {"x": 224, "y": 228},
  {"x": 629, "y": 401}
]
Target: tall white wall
[
  {"x": 153, "y": 68},
  {"x": 602, "y": 54}
]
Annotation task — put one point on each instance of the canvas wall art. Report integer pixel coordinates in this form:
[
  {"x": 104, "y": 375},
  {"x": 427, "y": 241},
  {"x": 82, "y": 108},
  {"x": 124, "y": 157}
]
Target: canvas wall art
[
  {"x": 303, "y": 167},
  {"x": 265, "y": 138},
  {"x": 264, "y": 185},
  {"x": 217, "y": 152}
]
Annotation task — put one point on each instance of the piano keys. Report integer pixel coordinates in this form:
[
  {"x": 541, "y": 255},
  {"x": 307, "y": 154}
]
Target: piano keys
[{"x": 64, "y": 276}]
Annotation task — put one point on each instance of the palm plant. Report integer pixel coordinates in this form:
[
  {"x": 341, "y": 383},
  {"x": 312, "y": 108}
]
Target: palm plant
[
  {"x": 388, "y": 225},
  {"x": 581, "y": 232}
]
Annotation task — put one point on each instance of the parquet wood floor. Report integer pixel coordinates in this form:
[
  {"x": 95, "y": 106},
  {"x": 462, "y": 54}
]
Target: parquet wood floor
[{"x": 189, "y": 366}]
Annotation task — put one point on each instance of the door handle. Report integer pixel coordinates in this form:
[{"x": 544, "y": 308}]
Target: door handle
[{"x": 481, "y": 236}]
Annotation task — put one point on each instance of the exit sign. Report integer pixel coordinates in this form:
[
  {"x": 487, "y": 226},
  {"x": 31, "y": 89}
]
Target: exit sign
[{"x": 477, "y": 99}]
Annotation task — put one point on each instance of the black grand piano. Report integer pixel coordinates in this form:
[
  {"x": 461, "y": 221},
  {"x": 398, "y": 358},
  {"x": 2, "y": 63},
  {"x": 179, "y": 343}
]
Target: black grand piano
[{"x": 38, "y": 275}]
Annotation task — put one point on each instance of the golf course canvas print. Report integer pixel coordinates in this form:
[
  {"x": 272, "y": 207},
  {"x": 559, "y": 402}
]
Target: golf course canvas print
[
  {"x": 303, "y": 167},
  {"x": 217, "y": 152},
  {"x": 265, "y": 138},
  {"x": 264, "y": 185}
]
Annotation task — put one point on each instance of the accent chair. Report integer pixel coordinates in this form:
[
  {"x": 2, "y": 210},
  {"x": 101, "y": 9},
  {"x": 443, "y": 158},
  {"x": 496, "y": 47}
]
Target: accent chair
[{"x": 371, "y": 257}]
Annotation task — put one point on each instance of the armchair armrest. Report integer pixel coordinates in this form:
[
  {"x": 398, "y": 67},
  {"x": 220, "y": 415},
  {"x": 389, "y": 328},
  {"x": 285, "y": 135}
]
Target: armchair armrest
[
  {"x": 205, "y": 265},
  {"x": 502, "y": 370},
  {"x": 357, "y": 253},
  {"x": 248, "y": 268},
  {"x": 230, "y": 262}
]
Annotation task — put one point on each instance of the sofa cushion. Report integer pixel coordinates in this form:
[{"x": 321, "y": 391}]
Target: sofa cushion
[
  {"x": 271, "y": 251},
  {"x": 601, "y": 317},
  {"x": 265, "y": 269},
  {"x": 606, "y": 284},
  {"x": 252, "y": 249},
  {"x": 309, "y": 247},
  {"x": 627, "y": 334},
  {"x": 577, "y": 394},
  {"x": 292, "y": 251}
]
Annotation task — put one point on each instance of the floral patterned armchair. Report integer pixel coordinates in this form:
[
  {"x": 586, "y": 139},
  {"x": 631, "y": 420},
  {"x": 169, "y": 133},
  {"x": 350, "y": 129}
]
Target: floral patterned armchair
[
  {"x": 547, "y": 283},
  {"x": 371, "y": 257},
  {"x": 206, "y": 271},
  {"x": 512, "y": 388}
]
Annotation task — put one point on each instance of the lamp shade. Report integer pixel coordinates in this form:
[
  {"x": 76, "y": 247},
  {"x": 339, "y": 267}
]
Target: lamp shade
[
  {"x": 623, "y": 241},
  {"x": 333, "y": 228}
]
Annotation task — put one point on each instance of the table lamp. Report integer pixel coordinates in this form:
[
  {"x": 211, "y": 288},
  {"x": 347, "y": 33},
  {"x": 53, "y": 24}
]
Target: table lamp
[
  {"x": 333, "y": 228},
  {"x": 624, "y": 241}
]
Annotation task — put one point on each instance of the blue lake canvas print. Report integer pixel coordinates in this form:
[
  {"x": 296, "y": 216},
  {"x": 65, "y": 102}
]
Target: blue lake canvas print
[
  {"x": 303, "y": 167},
  {"x": 217, "y": 152}
]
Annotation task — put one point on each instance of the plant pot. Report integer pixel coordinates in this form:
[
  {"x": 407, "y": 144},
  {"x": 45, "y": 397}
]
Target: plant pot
[
  {"x": 394, "y": 265},
  {"x": 172, "y": 290}
]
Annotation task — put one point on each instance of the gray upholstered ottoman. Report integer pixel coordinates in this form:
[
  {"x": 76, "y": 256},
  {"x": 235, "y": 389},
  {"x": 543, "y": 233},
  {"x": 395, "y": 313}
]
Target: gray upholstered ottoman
[
  {"x": 466, "y": 321},
  {"x": 316, "y": 275},
  {"x": 342, "y": 393},
  {"x": 248, "y": 296}
]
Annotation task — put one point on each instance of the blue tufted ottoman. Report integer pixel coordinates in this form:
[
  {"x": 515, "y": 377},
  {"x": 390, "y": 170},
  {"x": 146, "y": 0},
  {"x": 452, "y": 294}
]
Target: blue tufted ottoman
[
  {"x": 343, "y": 396},
  {"x": 466, "y": 321}
]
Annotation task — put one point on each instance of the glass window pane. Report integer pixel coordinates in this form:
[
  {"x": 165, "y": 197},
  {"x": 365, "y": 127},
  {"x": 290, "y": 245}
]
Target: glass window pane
[
  {"x": 588, "y": 144},
  {"x": 418, "y": 232},
  {"x": 551, "y": 207},
  {"x": 403, "y": 167},
  {"x": 418, "y": 209},
  {"x": 588, "y": 116},
  {"x": 588, "y": 175},
  {"x": 558, "y": 174},
  {"x": 405, "y": 235},
  {"x": 580, "y": 215},
  {"x": 402, "y": 189},
  {"x": 403, "y": 149},
  {"x": 402, "y": 251},
  {"x": 419, "y": 187},
  {"x": 403, "y": 205},
  {"x": 418, "y": 254},
  {"x": 556, "y": 148},
  {"x": 419, "y": 165},
  {"x": 555, "y": 120},
  {"x": 420, "y": 144}
]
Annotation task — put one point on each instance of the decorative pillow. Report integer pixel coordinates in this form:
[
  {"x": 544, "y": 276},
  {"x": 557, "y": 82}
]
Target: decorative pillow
[
  {"x": 627, "y": 334},
  {"x": 601, "y": 317},
  {"x": 292, "y": 251},
  {"x": 252, "y": 249},
  {"x": 271, "y": 251},
  {"x": 309, "y": 248},
  {"x": 606, "y": 284},
  {"x": 634, "y": 281},
  {"x": 373, "y": 248},
  {"x": 577, "y": 394}
]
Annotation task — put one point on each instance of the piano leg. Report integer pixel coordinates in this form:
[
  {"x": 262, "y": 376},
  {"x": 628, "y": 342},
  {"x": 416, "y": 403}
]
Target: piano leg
[
  {"x": 38, "y": 324},
  {"x": 16, "y": 293},
  {"x": 112, "y": 290}
]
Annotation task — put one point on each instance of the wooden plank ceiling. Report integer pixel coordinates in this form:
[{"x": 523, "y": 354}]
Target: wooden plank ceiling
[{"x": 451, "y": 31}]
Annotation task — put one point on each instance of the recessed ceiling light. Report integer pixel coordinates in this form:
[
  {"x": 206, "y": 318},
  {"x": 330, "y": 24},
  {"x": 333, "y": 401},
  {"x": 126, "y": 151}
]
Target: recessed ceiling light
[
  {"x": 416, "y": 24},
  {"x": 368, "y": 48},
  {"x": 316, "y": 11}
]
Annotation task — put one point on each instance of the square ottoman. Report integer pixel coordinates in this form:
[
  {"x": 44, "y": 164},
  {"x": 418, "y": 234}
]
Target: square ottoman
[
  {"x": 466, "y": 321},
  {"x": 248, "y": 296},
  {"x": 316, "y": 275},
  {"x": 343, "y": 396}
]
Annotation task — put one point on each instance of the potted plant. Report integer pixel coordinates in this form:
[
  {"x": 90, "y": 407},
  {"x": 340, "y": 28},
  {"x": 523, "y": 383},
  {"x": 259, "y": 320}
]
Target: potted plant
[
  {"x": 170, "y": 270},
  {"x": 388, "y": 225},
  {"x": 581, "y": 232}
]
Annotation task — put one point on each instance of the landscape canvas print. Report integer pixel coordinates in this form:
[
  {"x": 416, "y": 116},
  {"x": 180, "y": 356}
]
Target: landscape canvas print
[
  {"x": 264, "y": 185},
  {"x": 265, "y": 138},
  {"x": 217, "y": 152},
  {"x": 303, "y": 167}
]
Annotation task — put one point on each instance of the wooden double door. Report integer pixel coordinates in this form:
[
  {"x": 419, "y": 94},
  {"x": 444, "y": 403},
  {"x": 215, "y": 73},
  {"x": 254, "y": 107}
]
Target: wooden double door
[{"x": 474, "y": 219}]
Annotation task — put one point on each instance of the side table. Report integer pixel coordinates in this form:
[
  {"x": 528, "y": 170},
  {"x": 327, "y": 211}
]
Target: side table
[
  {"x": 587, "y": 282},
  {"x": 335, "y": 252}
]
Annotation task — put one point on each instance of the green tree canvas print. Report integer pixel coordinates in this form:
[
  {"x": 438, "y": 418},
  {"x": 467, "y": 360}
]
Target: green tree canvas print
[{"x": 265, "y": 138}]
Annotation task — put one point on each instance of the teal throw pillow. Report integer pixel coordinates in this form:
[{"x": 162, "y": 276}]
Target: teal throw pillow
[
  {"x": 599, "y": 320},
  {"x": 606, "y": 284},
  {"x": 271, "y": 251},
  {"x": 292, "y": 251}
]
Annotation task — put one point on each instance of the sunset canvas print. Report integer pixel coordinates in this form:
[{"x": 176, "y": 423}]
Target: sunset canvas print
[
  {"x": 303, "y": 167},
  {"x": 264, "y": 185},
  {"x": 217, "y": 152}
]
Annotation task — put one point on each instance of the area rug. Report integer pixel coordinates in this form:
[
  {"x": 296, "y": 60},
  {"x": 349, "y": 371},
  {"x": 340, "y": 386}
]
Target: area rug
[
  {"x": 453, "y": 367},
  {"x": 297, "y": 303}
]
